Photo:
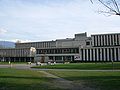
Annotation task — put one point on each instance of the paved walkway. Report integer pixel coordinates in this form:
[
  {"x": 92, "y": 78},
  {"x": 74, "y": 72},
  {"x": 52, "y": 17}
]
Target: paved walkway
[
  {"x": 75, "y": 70},
  {"x": 17, "y": 66},
  {"x": 27, "y": 66},
  {"x": 65, "y": 84}
]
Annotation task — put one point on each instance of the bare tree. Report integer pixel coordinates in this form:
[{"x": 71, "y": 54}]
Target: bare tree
[{"x": 112, "y": 6}]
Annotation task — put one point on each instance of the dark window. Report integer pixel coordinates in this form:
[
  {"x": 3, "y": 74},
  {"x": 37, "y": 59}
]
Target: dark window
[
  {"x": 56, "y": 51},
  {"x": 102, "y": 54},
  {"x": 109, "y": 40},
  {"x": 106, "y": 40},
  {"x": 77, "y": 50},
  {"x": 99, "y": 54},
  {"x": 88, "y": 54},
  {"x": 97, "y": 40},
  {"x": 117, "y": 56},
  {"x": 92, "y": 53},
  {"x": 85, "y": 54},
  {"x": 117, "y": 40},
  {"x": 58, "y": 57},
  {"x": 109, "y": 53},
  {"x": 82, "y": 53},
  {"x": 38, "y": 51},
  {"x": 87, "y": 43},
  {"x": 103, "y": 40},
  {"x": 113, "y": 54},
  {"x": 94, "y": 41},
  {"x": 95, "y": 54},
  {"x": 51, "y": 57},
  {"x": 100, "y": 39}
]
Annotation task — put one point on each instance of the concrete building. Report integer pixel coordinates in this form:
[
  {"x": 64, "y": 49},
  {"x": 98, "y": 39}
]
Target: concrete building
[
  {"x": 105, "y": 47},
  {"x": 98, "y": 47},
  {"x": 16, "y": 54}
]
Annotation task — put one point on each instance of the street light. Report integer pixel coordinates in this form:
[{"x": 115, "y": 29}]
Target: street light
[
  {"x": 112, "y": 59},
  {"x": 112, "y": 64}
]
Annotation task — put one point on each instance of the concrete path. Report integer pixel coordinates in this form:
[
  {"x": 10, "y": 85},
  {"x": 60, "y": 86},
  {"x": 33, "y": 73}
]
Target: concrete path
[
  {"x": 5, "y": 66},
  {"x": 75, "y": 70},
  {"x": 65, "y": 84},
  {"x": 27, "y": 66},
  {"x": 17, "y": 66}
]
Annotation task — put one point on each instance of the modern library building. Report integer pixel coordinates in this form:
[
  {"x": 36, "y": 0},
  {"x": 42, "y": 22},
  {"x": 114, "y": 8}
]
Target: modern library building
[{"x": 96, "y": 48}]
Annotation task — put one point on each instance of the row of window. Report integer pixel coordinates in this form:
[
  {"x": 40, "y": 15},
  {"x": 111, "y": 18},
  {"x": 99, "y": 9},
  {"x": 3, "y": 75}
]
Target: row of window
[
  {"x": 106, "y": 54},
  {"x": 14, "y": 52},
  {"x": 62, "y": 58},
  {"x": 17, "y": 59},
  {"x": 58, "y": 51},
  {"x": 36, "y": 45},
  {"x": 106, "y": 40}
]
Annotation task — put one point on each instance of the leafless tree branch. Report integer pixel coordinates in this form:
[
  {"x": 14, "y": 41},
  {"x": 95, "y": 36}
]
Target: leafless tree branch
[{"x": 112, "y": 9}]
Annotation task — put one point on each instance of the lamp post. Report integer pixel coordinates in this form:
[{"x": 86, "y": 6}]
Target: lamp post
[
  {"x": 112, "y": 65},
  {"x": 112, "y": 49}
]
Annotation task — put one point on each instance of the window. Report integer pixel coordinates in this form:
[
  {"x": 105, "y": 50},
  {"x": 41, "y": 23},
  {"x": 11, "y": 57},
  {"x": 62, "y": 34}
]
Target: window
[{"x": 87, "y": 43}]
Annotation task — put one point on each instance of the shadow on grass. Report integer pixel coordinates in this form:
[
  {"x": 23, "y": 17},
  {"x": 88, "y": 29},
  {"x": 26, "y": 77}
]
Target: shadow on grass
[
  {"x": 82, "y": 66},
  {"x": 94, "y": 78},
  {"x": 33, "y": 86},
  {"x": 20, "y": 83},
  {"x": 98, "y": 82},
  {"x": 27, "y": 77}
]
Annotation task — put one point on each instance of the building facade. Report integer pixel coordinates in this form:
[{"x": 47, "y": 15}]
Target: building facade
[
  {"x": 16, "y": 55},
  {"x": 97, "y": 48},
  {"x": 104, "y": 47}
]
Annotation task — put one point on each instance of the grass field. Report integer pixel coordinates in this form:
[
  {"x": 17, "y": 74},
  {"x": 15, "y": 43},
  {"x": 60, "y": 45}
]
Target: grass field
[
  {"x": 12, "y": 79},
  {"x": 83, "y": 66},
  {"x": 94, "y": 79}
]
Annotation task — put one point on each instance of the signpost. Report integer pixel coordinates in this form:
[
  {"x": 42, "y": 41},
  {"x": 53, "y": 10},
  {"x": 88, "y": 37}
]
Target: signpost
[{"x": 77, "y": 58}]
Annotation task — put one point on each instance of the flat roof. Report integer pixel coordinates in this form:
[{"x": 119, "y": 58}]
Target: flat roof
[{"x": 106, "y": 34}]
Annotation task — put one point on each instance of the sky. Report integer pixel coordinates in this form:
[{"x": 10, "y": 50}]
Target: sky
[{"x": 46, "y": 20}]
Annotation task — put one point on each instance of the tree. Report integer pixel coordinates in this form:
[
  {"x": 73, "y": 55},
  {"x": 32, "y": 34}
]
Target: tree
[{"x": 112, "y": 6}]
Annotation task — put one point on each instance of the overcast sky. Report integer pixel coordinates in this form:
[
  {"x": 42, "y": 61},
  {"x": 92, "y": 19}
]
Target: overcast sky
[{"x": 44, "y": 20}]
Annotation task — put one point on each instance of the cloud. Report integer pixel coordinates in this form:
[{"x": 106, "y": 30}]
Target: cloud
[
  {"x": 44, "y": 9},
  {"x": 52, "y": 19},
  {"x": 3, "y": 31},
  {"x": 21, "y": 41}
]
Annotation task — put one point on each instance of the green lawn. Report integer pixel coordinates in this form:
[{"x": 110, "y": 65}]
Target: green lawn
[
  {"x": 106, "y": 80},
  {"x": 12, "y": 79},
  {"x": 83, "y": 66}
]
